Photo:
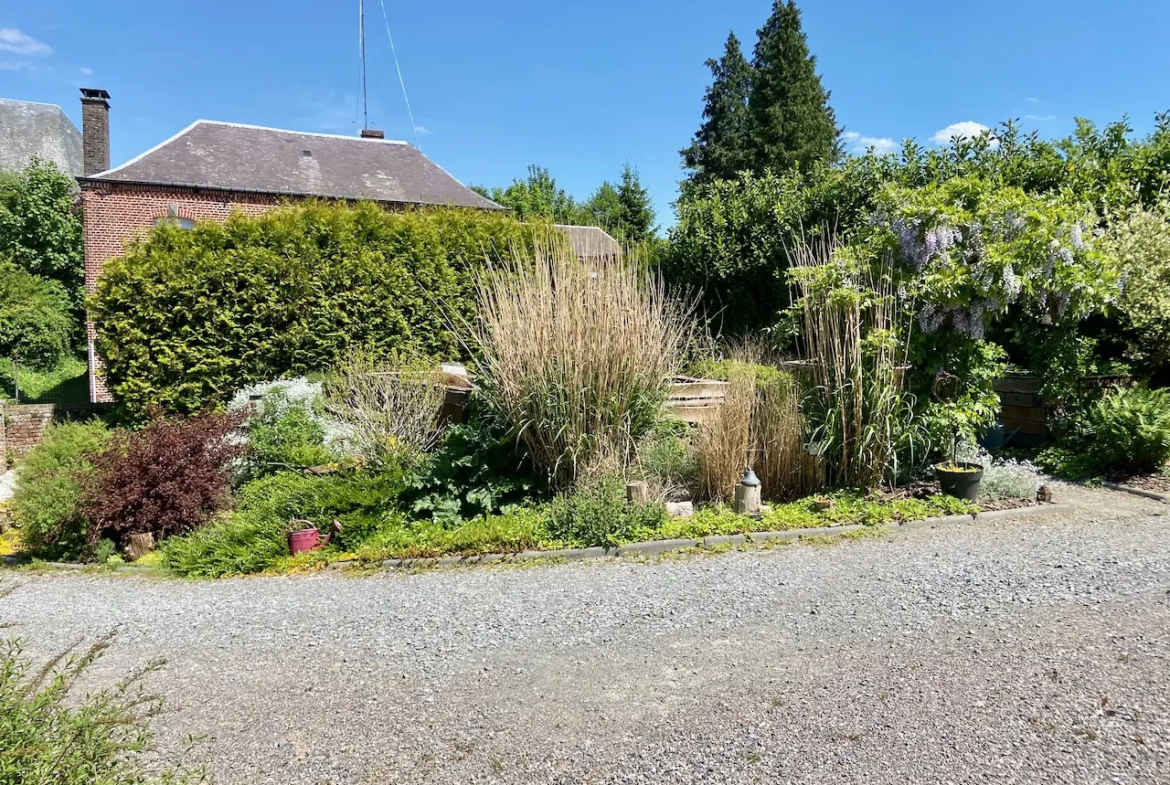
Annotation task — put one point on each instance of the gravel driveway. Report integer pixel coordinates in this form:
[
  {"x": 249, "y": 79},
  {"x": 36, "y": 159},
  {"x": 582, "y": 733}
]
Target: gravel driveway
[{"x": 1028, "y": 651}]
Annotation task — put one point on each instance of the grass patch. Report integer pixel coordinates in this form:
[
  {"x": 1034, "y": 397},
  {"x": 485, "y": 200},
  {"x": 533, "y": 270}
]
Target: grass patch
[{"x": 68, "y": 383}]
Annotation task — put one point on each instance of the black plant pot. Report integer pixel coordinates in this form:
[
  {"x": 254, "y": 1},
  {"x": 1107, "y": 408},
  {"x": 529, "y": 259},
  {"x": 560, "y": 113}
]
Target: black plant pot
[{"x": 961, "y": 485}]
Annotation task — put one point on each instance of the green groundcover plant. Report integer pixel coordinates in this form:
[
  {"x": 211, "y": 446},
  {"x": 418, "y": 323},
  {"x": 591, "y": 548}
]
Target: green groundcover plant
[{"x": 1126, "y": 431}]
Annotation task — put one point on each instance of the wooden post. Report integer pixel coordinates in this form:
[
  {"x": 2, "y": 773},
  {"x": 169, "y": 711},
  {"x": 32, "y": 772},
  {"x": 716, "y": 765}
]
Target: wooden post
[
  {"x": 637, "y": 493},
  {"x": 138, "y": 545}
]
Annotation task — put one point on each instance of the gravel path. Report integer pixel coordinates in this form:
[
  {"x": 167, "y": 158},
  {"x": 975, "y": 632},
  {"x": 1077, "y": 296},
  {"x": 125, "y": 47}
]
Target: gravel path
[{"x": 1030, "y": 651}]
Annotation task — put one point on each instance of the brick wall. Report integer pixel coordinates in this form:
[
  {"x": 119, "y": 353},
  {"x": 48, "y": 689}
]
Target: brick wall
[
  {"x": 118, "y": 214},
  {"x": 24, "y": 425}
]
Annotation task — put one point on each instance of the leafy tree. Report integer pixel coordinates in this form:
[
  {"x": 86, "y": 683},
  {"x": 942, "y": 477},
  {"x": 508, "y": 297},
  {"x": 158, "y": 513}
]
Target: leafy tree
[
  {"x": 636, "y": 224},
  {"x": 792, "y": 124},
  {"x": 537, "y": 197},
  {"x": 40, "y": 230},
  {"x": 720, "y": 148},
  {"x": 35, "y": 319}
]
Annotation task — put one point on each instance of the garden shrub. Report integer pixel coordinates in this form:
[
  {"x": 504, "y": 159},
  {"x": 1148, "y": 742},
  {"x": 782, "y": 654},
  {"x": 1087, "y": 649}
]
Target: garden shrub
[
  {"x": 48, "y": 494},
  {"x": 168, "y": 478},
  {"x": 576, "y": 362},
  {"x": 285, "y": 432},
  {"x": 1126, "y": 431},
  {"x": 54, "y": 732},
  {"x": 36, "y": 324},
  {"x": 598, "y": 514},
  {"x": 390, "y": 406},
  {"x": 1002, "y": 478},
  {"x": 187, "y": 317},
  {"x": 1140, "y": 240}
]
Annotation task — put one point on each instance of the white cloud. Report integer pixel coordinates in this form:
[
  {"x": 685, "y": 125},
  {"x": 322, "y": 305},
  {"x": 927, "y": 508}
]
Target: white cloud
[
  {"x": 12, "y": 40},
  {"x": 859, "y": 143},
  {"x": 1033, "y": 100},
  {"x": 422, "y": 130},
  {"x": 85, "y": 71},
  {"x": 1040, "y": 118},
  {"x": 15, "y": 65},
  {"x": 968, "y": 129}
]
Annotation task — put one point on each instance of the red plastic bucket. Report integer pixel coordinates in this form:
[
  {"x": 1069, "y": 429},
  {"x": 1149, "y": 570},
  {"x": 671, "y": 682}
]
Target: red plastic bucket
[{"x": 304, "y": 540}]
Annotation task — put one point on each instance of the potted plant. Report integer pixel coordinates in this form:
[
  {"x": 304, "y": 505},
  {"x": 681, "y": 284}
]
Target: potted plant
[
  {"x": 959, "y": 479},
  {"x": 823, "y": 504}
]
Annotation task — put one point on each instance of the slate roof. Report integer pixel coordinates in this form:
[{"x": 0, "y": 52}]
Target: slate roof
[
  {"x": 229, "y": 156},
  {"x": 29, "y": 130}
]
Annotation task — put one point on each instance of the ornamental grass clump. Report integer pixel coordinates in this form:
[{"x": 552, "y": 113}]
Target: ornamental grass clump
[
  {"x": 576, "y": 362},
  {"x": 855, "y": 339}
]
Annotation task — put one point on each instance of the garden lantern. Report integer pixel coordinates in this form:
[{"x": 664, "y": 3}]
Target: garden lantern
[{"x": 747, "y": 494}]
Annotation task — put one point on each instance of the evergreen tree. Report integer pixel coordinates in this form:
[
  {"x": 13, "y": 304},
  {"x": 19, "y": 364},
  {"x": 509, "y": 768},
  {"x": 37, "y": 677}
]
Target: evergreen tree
[
  {"x": 791, "y": 122},
  {"x": 637, "y": 214},
  {"x": 604, "y": 209},
  {"x": 721, "y": 146}
]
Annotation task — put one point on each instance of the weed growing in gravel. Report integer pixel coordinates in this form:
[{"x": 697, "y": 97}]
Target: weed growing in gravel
[{"x": 52, "y": 734}]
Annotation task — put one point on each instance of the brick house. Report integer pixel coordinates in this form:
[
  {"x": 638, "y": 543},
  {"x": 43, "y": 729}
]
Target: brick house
[{"x": 210, "y": 170}]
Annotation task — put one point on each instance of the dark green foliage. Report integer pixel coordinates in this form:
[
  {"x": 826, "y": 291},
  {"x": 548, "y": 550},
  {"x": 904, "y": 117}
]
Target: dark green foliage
[
  {"x": 478, "y": 469},
  {"x": 598, "y": 514},
  {"x": 254, "y": 537},
  {"x": 55, "y": 732},
  {"x": 721, "y": 147},
  {"x": 48, "y": 489},
  {"x": 792, "y": 125},
  {"x": 36, "y": 323},
  {"x": 1124, "y": 431},
  {"x": 40, "y": 229},
  {"x": 636, "y": 219},
  {"x": 187, "y": 317},
  {"x": 285, "y": 434}
]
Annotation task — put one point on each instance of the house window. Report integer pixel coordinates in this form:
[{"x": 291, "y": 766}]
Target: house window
[{"x": 168, "y": 220}]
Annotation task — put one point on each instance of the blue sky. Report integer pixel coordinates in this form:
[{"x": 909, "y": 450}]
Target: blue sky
[{"x": 577, "y": 87}]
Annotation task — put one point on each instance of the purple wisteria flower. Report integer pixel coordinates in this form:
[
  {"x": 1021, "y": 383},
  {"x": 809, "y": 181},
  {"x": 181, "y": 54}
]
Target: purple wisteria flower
[{"x": 1076, "y": 236}]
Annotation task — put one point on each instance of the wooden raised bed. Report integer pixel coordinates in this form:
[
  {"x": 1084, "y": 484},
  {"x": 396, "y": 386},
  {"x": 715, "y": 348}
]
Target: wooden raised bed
[{"x": 695, "y": 400}]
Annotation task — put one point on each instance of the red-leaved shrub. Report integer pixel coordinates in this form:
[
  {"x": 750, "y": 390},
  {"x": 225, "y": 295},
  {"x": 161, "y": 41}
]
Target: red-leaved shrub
[{"x": 167, "y": 478}]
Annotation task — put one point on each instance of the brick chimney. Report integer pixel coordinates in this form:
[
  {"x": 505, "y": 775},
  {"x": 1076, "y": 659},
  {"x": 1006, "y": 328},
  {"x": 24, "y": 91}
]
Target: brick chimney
[
  {"x": 370, "y": 133},
  {"x": 95, "y": 131}
]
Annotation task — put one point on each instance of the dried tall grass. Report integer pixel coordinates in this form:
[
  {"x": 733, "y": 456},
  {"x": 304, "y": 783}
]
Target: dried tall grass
[
  {"x": 390, "y": 405},
  {"x": 723, "y": 443},
  {"x": 856, "y": 337},
  {"x": 575, "y": 361},
  {"x": 763, "y": 403}
]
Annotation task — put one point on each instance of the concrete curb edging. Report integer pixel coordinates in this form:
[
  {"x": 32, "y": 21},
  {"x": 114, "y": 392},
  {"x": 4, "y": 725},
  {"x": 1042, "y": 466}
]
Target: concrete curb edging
[
  {"x": 656, "y": 547},
  {"x": 1158, "y": 497}
]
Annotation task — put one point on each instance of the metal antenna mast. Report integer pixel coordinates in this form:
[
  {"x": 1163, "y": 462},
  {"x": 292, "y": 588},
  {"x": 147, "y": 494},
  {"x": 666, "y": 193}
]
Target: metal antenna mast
[{"x": 365, "y": 91}]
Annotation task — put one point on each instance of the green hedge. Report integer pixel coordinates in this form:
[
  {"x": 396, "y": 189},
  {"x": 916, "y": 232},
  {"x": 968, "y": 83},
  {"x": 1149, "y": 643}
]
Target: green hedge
[{"x": 187, "y": 317}]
